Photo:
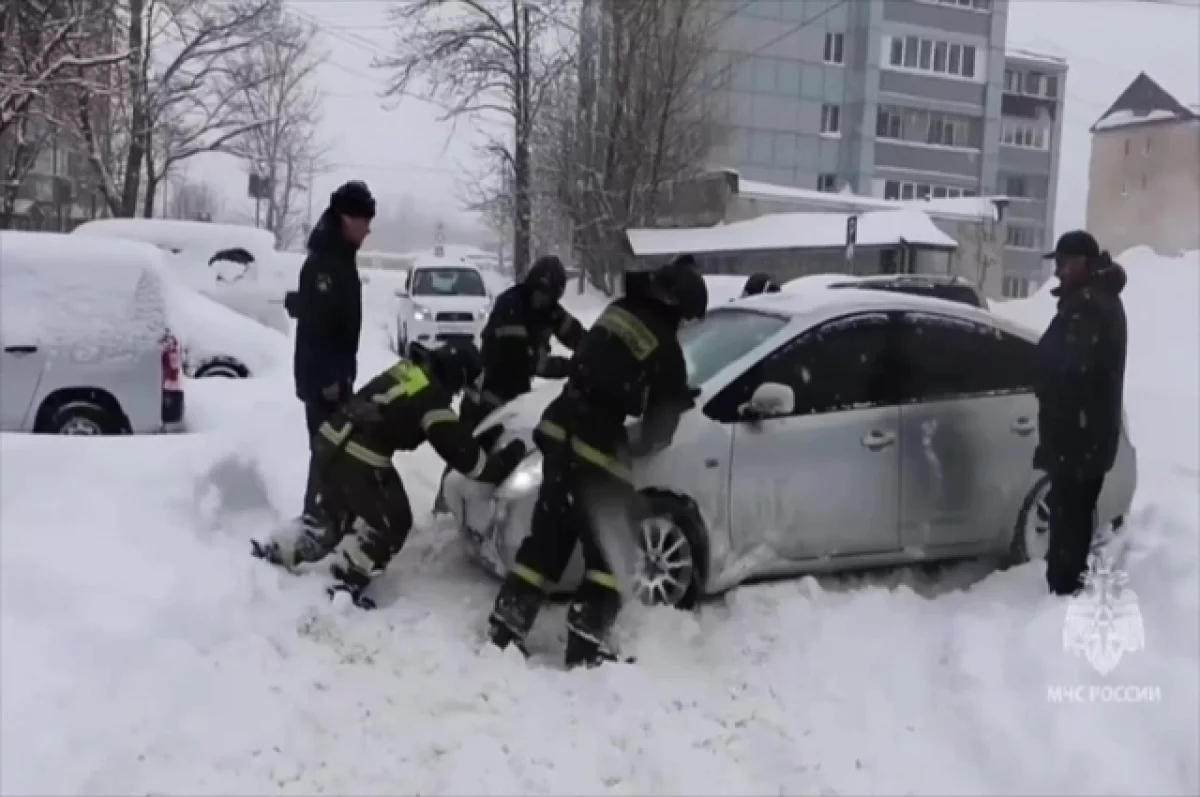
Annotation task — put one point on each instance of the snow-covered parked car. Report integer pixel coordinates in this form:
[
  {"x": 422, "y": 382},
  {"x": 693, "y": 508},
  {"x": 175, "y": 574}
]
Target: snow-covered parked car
[
  {"x": 86, "y": 337},
  {"x": 834, "y": 429},
  {"x": 230, "y": 263},
  {"x": 219, "y": 342},
  {"x": 439, "y": 303}
]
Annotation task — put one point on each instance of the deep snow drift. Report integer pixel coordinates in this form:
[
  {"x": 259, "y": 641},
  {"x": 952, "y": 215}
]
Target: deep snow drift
[{"x": 145, "y": 651}]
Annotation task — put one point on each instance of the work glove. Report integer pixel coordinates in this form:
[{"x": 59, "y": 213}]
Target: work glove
[
  {"x": 363, "y": 413},
  {"x": 553, "y": 367},
  {"x": 502, "y": 463}
]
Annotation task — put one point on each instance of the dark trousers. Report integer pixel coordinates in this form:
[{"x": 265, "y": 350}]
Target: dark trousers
[
  {"x": 315, "y": 413},
  {"x": 377, "y": 498},
  {"x": 1072, "y": 501},
  {"x": 573, "y": 492}
]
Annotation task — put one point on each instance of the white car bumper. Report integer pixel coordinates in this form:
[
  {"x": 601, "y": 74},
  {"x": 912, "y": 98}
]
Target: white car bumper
[{"x": 436, "y": 330}]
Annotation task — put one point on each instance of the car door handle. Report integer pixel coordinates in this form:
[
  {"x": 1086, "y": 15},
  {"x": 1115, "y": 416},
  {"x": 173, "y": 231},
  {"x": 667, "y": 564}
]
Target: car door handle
[
  {"x": 1024, "y": 426},
  {"x": 20, "y": 351},
  {"x": 877, "y": 440}
]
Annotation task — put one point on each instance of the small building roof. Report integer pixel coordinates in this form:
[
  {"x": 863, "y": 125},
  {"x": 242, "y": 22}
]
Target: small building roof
[
  {"x": 1144, "y": 101},
  {"x": 950, "y": 209},
  {"x": 782, "y": 231}
]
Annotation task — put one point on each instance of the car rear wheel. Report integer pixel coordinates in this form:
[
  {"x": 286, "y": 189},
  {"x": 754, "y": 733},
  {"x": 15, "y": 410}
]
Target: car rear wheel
[
  {"x": 224, "y": 368},
  {"x": 669, "y": 569},
  {"x": 82, "y": 418}
]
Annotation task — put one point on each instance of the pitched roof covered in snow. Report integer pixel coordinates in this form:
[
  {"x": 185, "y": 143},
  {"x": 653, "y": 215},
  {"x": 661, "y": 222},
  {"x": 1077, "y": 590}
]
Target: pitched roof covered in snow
[
  {"x": 1144, "y": 102},
  {"x": 949, "y": 209},
  {"x": 793, "y": 231}
]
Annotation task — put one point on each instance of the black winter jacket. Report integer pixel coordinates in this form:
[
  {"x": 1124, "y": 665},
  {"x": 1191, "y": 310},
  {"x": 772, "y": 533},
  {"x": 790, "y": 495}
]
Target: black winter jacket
[
  {"x": 516, "y": 343},
  {"x": 328, "y": 312},
  {"x": 628, "y": 364},
  {"x": 1080, "y": 377}
]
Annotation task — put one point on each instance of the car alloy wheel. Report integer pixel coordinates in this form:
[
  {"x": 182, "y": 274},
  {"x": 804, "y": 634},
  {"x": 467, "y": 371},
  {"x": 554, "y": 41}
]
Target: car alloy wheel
[
  {"x": 80, "y": 426},
  {"x": 667, "y": 566},
  {"x": 1037, "y": 526}
]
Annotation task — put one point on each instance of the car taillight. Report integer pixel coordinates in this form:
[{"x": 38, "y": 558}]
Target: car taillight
[{"x": 172, "y": 363}]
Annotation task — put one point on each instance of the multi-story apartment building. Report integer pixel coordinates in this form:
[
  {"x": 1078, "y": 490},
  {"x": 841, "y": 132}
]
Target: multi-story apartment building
[
  {"x": 1031, "y": 119},
  {"x": 1144, "y": 177},
  {"x": 898, "y": 99}
]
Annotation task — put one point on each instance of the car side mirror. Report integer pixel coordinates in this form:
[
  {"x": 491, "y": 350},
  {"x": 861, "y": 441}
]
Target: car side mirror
[
  {"x": 769, "y": 400},
  {"x": 401, "y": 293}
]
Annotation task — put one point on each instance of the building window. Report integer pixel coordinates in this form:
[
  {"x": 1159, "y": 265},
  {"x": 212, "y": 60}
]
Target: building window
[
  {"x": 1014, "y": 287},
  {"x": 831, "y": 120},
  {"x": 1026, "y": 135},
  {"x": 902, "y": 190},
  {"x": 1019, "y": 237},
  {"x": 927, "y": 55},
  {"x": 834, "y": 48},
  {"x": 1033, "y": 84},
  {"x": 1012, "y": 81},
  {"x": 827, "y": 183},
  {"x": 928, "y": 127},
  {"x": 1052, "y": 86},
  {"x": 1025, "y": 186}
]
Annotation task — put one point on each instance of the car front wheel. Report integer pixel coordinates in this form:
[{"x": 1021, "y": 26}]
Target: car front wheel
[{"x": 669, "y": 567}]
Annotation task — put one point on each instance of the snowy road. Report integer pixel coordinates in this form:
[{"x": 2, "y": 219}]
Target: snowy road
[{"x": 144, "y": 651}]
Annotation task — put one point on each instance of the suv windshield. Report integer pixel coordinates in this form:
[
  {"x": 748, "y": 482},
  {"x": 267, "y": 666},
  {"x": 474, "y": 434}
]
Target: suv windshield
[
  {"x": 721, "y": 338},
  {"x": 448, "y": 282}
]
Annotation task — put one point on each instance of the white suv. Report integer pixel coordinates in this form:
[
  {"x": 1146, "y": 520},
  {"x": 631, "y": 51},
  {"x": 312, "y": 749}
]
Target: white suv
[{"x": 441, "y": 303}]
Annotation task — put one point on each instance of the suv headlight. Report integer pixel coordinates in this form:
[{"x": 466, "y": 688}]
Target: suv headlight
[{"x": 421, "y": 313}]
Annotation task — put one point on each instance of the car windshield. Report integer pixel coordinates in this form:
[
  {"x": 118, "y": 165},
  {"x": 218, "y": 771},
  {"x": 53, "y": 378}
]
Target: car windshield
[
  {"x": 723, "y": 337},
  {"x": 448, "y": 282}
]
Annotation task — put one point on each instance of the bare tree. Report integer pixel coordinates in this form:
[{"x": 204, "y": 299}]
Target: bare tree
[
  {"x": 277, "y": 86},
  {"x": 172, "y": 99},
  {"x": 191, "y": 201},
  {"x": 481, "y": 57},
  {"x": 46, "y": 48},
  {"x": 630, "y": 124}
]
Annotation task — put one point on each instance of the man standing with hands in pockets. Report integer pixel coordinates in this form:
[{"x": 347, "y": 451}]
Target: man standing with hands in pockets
[{"x": 327, "y": 307}]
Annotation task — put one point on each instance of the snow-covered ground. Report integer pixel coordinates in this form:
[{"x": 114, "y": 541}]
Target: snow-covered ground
[{"x": 144, "y": 651}]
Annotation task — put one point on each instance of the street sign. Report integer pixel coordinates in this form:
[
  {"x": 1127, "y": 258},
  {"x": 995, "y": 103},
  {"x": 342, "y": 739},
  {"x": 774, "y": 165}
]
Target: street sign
[{"x": 851, "y": 236}]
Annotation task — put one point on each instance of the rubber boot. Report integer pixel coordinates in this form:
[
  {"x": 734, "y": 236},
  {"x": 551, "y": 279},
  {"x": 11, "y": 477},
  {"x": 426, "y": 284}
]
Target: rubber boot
[
  {"x": 516, "y": 609},
  {"x": 590, "y": 619}
]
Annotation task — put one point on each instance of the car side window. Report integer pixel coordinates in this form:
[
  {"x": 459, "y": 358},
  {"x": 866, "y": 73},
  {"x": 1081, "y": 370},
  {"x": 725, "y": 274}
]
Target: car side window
[
  {"x": 947, "y": 358},
  {"x": 843, "y": 364}
]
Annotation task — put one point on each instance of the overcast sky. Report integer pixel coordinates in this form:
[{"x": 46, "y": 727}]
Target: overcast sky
[{"x": 407, "y": 150}]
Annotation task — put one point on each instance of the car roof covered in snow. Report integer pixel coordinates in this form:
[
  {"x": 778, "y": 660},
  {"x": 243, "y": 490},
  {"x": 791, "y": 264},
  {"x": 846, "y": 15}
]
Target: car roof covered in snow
[
  {"x": 799, "y": 231},
  {"x": 192, "y": 238},
  {"x": 817, "y": 304},
  {"x": 61, "y": 290}
]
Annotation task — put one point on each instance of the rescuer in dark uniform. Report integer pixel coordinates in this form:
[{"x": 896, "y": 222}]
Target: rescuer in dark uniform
[
  {"x": 629, "y": 364},
  {"x": 327, "y": 306},
  {"x": 398, "y": 410},
  {"x": 516, "y": 343},
  {"x": 759, "y": 283}
]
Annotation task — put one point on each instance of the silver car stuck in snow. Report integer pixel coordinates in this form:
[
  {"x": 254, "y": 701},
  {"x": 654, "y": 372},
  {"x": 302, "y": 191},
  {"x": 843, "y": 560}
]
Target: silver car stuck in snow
[{"x": 833, "y": 430}]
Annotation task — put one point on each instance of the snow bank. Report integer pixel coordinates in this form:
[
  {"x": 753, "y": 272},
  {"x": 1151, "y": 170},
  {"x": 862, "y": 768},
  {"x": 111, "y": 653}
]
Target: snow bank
[
  {"x": 197, "y": 239},
  {"x": 792, "y": 231},
  {"x": 145, "y": 652}
]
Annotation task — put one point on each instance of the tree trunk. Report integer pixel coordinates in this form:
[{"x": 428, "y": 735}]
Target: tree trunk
[{"x": 138, "y": 119}]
